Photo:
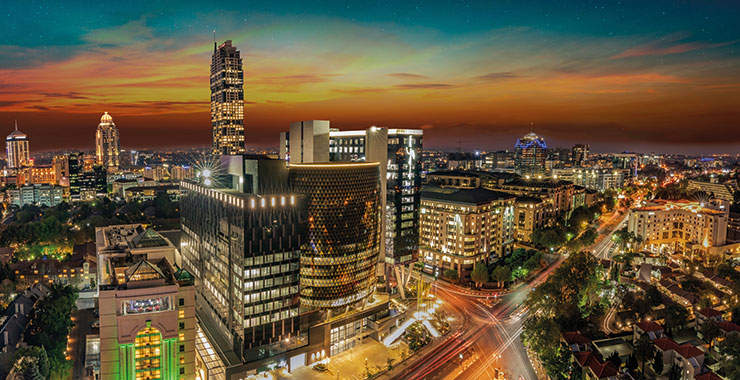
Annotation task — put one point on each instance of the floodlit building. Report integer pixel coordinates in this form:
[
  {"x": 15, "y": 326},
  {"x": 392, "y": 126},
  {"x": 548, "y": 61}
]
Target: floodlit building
[
  {"x": 40, "y": 195},
  {"x": 147, "y": 320},
  {"x": 530, "y": 155},
  {"x": 460, "y": 227},
  {"x": 530, "y": 213},
  {"x": 338, "y": 265},
  {"x": 16, "y": 145},
  {"x": 690, "y": 227},
  {"x": 594, "y": 179},
  {"x": 107, "y": 143},
  {"x": 227, "y": 99},
  {"x": 284, "y": 259}
]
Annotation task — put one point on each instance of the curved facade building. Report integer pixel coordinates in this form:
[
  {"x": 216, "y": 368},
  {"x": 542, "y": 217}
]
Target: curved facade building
[{"x": 340, "y": 254}]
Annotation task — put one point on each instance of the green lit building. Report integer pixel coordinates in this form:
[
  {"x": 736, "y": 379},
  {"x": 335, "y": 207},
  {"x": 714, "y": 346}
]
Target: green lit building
[{"x": 147, "y": 316}]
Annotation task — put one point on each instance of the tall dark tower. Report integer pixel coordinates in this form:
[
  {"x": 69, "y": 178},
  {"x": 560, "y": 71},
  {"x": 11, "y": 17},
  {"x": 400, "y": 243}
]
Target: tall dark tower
[{"x": 227, "y": 100}]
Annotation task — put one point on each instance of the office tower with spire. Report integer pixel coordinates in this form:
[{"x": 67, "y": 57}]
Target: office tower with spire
[
  {"x": 227, "y": 100},
  {"x": 107, "y": 143},
  {"x": 16, "y": 145}
]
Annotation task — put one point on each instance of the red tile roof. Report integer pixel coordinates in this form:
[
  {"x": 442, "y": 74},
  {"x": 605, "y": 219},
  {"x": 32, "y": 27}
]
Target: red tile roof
[
  {"x": 602, "y": 370},
  {"x": 665, "y": 344},
  {"x": 728, "y": 326},
  {"x": 707, "y": 376},
  {"x": 649, "y": 326},
  {"x": 575, "y": 337},
  {"x": 710, "y": 313},
  {"x": 689, "y": 351}
]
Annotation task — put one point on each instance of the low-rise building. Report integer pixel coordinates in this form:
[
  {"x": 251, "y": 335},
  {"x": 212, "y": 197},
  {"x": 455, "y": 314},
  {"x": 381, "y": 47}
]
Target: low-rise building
[
  {"x": 688, "y": 227},
  {"x": 38, "y": 194},
  {"x": 122, "y": 184},
  {"x": 148, "y": 193}
]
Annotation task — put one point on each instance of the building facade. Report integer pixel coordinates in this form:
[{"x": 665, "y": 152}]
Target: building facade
[
  {"x": 579, "y": 154},
  {"x": 593, "y": 179},
  {"x": 148, "y": 323},
  {"x": 38, "y": 194},
  {"x": 107, "y": 143},
  {"x": 681, "y": 226},
  {"x": 530, "y": 153},
  {"x": 398, "y": 151},
  {"x": 460, "y": 227},
  {"x": 16, "y": 146},
  {"x": 242, "y": 242},
  {"x": 227, "y": 100},
  {"x": 338, "y": 261}
]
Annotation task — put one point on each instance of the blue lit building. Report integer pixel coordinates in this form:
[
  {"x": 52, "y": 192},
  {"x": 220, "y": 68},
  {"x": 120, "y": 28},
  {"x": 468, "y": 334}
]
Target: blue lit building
[{"x": 530, "y": 153}]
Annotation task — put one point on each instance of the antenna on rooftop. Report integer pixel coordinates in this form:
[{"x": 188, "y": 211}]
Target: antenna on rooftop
[
  {"x": 214, "y": 40},
  {"x": 16, "y": 124},
  {"x": 531, "y": 127}
]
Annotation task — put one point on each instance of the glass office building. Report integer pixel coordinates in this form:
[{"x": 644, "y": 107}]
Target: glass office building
[{"x": 338, "y": 260}]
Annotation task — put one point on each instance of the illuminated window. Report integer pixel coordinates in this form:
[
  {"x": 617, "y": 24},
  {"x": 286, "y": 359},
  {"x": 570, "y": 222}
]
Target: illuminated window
[{"x": 147, "y": 354}]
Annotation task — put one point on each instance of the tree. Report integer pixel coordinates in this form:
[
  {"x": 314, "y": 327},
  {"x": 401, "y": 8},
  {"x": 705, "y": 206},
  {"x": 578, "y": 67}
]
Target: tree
[
  {"x": 558, "y": 362},
  {"x": 389, "y": 362},
  {"x": 35, "y": 354},
  {"x": 548, "y": 237},
  {"x": 674, "y": 373},
  {"x": 643, "y": 350},
  {"x": 658, "y": 362},
  {"x": 501, "y": 274},
  {"x": 675, "y": 317},
  {"x": 710, "y": 331},
  {"x": 653, "y": 296},
  {"x": 451, "y": 275},
  {"x": 615, "y": 359},
  {"x": 479, "y": 274}
]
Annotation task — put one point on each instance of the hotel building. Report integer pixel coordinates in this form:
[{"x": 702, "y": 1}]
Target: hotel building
[
  {"x": 227, "y": 100},
  {"x": 460, "y": 227},
  {"x": 693, "y": 228},
  {"x": 147, "y": 320},
  {"x": 107, "y": 143}
]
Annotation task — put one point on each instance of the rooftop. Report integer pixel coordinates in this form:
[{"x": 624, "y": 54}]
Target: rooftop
[{"x": 475, "y": 196}]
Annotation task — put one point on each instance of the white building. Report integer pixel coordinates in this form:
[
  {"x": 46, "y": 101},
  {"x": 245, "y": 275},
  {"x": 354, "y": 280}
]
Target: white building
[{"x": 107, "y": 143}]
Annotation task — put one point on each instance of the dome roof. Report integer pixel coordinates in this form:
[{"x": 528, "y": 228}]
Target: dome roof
[
  {"x": 106, "y": 119},
  {"x": 16, "y": 134}
]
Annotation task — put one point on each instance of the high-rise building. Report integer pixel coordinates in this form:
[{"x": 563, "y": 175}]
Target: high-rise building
[
  {"x": 242, "y": 237},
  {"x": 530, "y": 154},
  {"x": 75, "y": 164},
  {"x": 107, "y": 143},
  {"x": 338, "y": 263},
  {"x": 275, "y": 249},
  {"x": 579, "y": 154},
  {"x": 460, "y": 227},
  {"x": 398, "y": 151},
  {"x": 227, "y": 100},
  {"x": 16, "y": 145}
]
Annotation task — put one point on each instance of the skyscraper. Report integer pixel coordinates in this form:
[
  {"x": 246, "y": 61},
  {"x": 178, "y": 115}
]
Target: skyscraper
[
  {"x": 227, "y": 100},
  {"x": 580, "y": 154},
  {"x": 16, "y": 145},
  {"x": 107, "y": 143},
  {"x": 530, "y": 154}
]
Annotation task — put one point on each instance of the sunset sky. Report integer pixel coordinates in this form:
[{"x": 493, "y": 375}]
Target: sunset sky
[{"x": 619, "y": 75}]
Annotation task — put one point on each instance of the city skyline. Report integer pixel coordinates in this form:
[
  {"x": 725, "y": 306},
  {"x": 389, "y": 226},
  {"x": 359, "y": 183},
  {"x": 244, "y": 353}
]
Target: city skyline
[{"x": 656, "y": 83}]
